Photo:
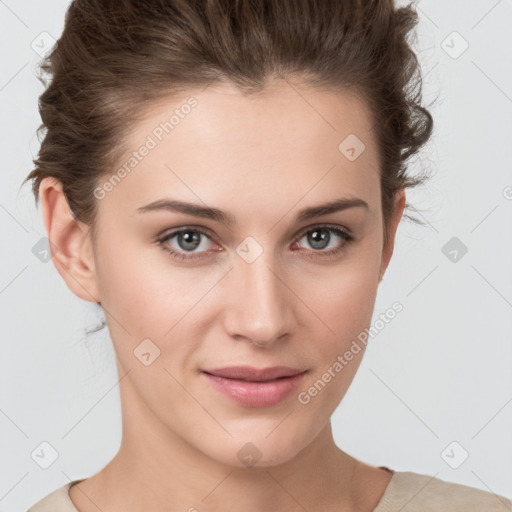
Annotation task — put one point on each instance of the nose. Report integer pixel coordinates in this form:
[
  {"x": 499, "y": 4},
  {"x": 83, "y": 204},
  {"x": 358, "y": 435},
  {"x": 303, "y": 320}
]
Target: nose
[{"x": 260, "y": 308}]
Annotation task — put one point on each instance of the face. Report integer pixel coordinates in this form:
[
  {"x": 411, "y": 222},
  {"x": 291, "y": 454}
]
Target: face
[{"x": 256, "y": 285}]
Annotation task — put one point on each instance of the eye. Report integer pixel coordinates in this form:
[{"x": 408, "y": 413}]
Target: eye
[
  {"x": 321, "y": 238},
  {"x": 188, "y": 239}
]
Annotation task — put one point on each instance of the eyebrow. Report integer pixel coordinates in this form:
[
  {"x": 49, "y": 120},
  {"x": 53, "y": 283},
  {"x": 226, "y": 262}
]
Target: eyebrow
[{"x": 225, "y": 218}]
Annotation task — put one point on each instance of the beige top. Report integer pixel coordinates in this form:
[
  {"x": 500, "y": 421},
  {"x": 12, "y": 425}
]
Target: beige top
[{"x": 406, "y": 492}]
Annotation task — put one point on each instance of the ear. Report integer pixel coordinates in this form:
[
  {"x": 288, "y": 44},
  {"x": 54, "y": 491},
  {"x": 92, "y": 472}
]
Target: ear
[
  {"x": 70, "y": 242},
  {"x": 394, "y": 220}
]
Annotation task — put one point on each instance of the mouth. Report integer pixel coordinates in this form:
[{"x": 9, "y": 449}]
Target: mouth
[
  {"x": 252, "y": 387},
  {"x": 251, "y": 374}
]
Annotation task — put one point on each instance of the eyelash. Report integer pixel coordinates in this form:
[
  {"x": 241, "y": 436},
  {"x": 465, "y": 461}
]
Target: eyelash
[{"x": 347, "y": 237}]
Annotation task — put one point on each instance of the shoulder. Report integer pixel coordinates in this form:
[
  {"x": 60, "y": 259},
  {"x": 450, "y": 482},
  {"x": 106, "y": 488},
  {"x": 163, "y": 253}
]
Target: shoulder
[
  {"x": 57, "y": 501},
  {"x": 413, "y": 492}
]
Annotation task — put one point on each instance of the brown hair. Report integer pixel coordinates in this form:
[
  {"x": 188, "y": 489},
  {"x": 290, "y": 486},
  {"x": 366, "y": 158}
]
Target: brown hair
[{"x": 114, "y": 57}]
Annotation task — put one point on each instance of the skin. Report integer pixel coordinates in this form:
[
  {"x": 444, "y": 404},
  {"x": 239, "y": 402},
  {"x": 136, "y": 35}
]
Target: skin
[{"x": 261, "y": 158}]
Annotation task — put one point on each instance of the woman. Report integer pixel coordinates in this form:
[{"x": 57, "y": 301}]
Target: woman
[{"x": 225, "y": 179}]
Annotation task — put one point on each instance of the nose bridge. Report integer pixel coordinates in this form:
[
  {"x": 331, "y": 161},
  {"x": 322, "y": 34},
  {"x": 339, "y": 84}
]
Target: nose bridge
[{"x": 260, "y": 309}]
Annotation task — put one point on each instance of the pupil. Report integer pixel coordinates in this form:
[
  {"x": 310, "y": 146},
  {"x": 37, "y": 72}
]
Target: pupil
[
  {"x": 189, "y": 237},
  {"x": 318, "y": 238}
]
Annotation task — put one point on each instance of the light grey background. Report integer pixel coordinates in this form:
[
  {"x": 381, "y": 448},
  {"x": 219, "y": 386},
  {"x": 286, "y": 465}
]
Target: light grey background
[{"x": 439, "y": 372}]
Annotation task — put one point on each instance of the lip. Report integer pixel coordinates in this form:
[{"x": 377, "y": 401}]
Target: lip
[{"x": 253, "y": 387}]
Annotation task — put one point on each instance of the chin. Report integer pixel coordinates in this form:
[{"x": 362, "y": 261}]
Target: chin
[{"x": 258, "y": 451}]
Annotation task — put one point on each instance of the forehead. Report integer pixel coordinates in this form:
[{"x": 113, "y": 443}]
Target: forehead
[{"x": 274, "y": 146}]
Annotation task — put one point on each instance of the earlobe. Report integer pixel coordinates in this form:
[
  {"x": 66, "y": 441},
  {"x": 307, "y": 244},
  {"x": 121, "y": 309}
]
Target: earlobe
[
  {"x": 70, "y": 246},
  {"x": 387, "y": 251}
]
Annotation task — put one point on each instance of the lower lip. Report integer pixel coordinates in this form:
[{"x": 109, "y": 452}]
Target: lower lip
[{"x": 255, "y": 394}]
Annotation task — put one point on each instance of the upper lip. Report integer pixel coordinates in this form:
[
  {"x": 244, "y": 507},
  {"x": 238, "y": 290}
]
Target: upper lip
[{"x": 254, "y": 374}]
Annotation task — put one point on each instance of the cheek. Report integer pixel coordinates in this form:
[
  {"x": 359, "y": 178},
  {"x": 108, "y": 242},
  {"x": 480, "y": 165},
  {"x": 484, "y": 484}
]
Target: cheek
[
  {"x": 345, "y": 297},
  {"x": 146, "y": 297},
  {"x": 347, "y": 312},
  {"x": 132, "y": 297},
  {"x": 135, "y": 287},
  {"x": 345, "y": 307},
  {"x": 344, "y": 302}
]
